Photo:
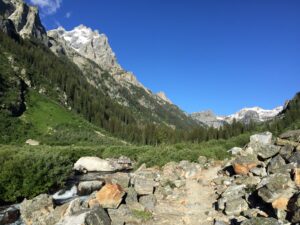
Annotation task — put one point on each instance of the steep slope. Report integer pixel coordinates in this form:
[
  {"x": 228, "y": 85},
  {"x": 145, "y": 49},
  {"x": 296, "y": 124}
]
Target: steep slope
[
  {"x": 245, "y": 115},
  {"x": 91, "y": 51}
]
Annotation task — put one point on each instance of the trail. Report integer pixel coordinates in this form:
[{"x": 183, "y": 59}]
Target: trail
[{"x": 195, "y": 205}]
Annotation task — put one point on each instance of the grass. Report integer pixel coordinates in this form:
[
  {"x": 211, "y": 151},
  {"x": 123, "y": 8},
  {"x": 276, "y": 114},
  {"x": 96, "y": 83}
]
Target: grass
[
  {"x": 52, "y": 124},
  {"x": 143, "y": 215}
]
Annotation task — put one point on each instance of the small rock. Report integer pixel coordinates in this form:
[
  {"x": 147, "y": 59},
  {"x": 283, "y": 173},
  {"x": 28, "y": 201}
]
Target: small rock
[
  {"x": 235, "y": 150},
  {"x": 87, "y": 187},
  {"x": 32, "y": 142},
  {"x": 202, "y": 160},
  {"x": 261, "y": 172},
  {"x": 286, "y": 151}
]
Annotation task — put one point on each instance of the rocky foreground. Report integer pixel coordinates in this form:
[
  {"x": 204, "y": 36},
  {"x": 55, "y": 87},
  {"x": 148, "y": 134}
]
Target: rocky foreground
[{"x": 258, "y": 186}]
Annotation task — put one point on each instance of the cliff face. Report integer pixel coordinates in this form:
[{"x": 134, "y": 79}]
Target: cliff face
[{"x": 25, "y": 19}]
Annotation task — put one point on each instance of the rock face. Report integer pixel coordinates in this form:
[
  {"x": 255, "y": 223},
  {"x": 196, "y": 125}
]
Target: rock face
[
  {"x": 208, "y": 118},
  {"x": 25, "y": 18},
  {"x": 245, "y": 115}
]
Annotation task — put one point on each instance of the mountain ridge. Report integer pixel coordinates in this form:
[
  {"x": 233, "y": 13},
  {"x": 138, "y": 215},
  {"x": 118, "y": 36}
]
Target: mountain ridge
[{"x": 244, "y": 115}]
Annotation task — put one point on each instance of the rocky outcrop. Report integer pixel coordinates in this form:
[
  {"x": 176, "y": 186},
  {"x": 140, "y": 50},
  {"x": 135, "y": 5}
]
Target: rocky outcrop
[
  {"x": 266, "y": 177},
  {"x": 208, "y": 118},
  {"x": 25, "y": 19}
]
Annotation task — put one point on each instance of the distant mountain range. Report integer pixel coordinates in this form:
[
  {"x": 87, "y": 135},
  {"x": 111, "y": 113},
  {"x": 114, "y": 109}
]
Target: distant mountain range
[{"x": 245, "y": 115}]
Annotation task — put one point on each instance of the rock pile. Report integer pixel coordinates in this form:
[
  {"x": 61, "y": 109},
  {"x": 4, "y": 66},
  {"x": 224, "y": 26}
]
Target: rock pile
[{"x": 261, "y": 184}]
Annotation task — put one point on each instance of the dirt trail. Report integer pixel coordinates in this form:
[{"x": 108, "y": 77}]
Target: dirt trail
[{"x": 195, "y": 205}]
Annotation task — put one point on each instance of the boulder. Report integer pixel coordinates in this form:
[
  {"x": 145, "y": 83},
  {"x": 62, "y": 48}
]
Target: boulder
[
  {"x": 283, "y": 142},
  {"x": 110, "y": 196},
  {"x": 235, "y": 207},
  {"x": 267, "y": 151},
  {"x": 87, "y": 187},
  {"x": 276, "y": 165},
  {"x": 144, "y": 186},
  {"x": 90, "y": 164},
  {"x": 94, "y": 216},
  {"x": 261, "y": 139},
  {"x": 231, "y": 193},
  {"x": 36, "y": 210},
  {"x": 293, "y": 135},
  {"x": 295, "y": 158},
  {"x": 243, "y": 164},
  {"x": 120, "y": 178},
  {"x": 148, "y": 201},
  {"x": 286, "y": 151},
  {"x": 131, "y": 196},
  {"x": 259, "y": 171},
  {"x": 277, "y": 189},
  {"x": 120, "y": 215},
  {"x": 261, "y": 221}
]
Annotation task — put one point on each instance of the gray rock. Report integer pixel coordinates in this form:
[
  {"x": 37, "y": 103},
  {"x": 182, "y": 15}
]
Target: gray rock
[
  {"x": 235, "y": 150},
  {"x": 120, "y": 178},
  {"x": 276, "y": 186},
  {"x": 276, "y": 164},
  {"x": 295, "y": 158},
  {"x": 94, "y": 216},
  {"x": 144, "y": 186},
  {"x": 87, "y": 187},
  {"x": 148, "y": 201},
  {"x": 37, "y": 210},
  {"x": 131, "y": 196},
  {"x": 235, "y": 207},
  {"x": 120, "y": 216},
  {"x": 231, "y": 193},
  {"x": 261, "y": 139},
  {"x": 261, "y": 221},
  {"x": 293, "y": 135},
  {"x": 90, "y": 164},
  {"x": 286, "y": 151},
  {"x": 261, "y": 172},
  {"x": 267, "y": 151}
]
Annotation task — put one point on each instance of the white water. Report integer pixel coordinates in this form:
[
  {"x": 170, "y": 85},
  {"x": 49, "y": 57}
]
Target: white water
[{"x": 66, "y": 195}]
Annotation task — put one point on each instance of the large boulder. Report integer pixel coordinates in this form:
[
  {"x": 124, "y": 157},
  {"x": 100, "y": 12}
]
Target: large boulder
[
  {"x": 144, "y": 186},
  {"x": 261, "y": 139},
  {"x": 90, "y": 164},
  {"x": 96, "y": 164},
  {"x": 267, "y": 151},
  {"x": 231, "y": 193},
  {"x": 243, "y": 164},
  {"x": 36, "y": 210},
  {"x": 277, "y": 189},
  {"x": 293, "y": 135},
  {"x": 110, "y": 196}
]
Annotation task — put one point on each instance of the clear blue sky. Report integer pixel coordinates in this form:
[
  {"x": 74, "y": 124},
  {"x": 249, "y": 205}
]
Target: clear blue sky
[{"x": 205, "y": 54}]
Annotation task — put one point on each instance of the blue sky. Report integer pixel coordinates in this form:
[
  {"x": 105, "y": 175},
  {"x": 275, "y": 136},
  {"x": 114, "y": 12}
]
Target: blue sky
[{"x": 205, "y": 54}]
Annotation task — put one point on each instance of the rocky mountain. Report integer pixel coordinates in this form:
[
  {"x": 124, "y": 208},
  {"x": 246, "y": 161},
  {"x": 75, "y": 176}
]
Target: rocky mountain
[
  {"x": 245, "y": 115},
  {"x": 25, "y": 19},
  {"x": 90, "y": 50}
]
